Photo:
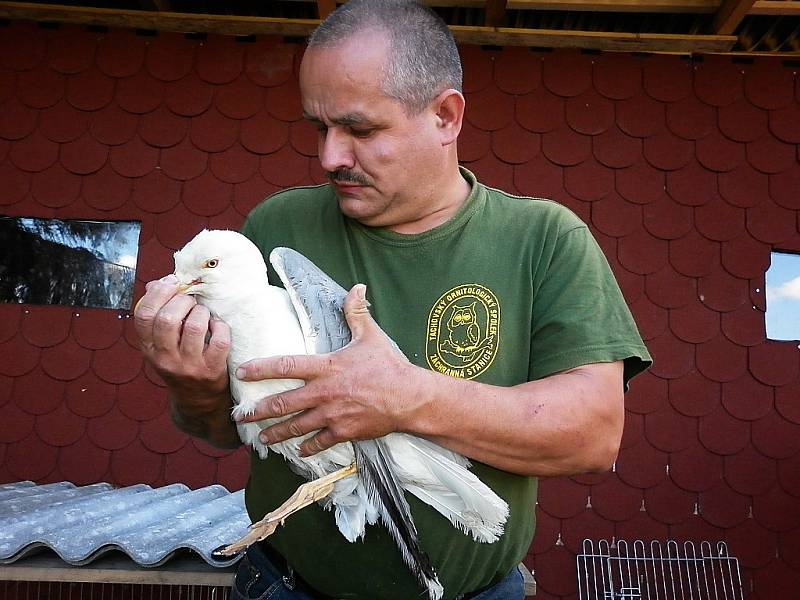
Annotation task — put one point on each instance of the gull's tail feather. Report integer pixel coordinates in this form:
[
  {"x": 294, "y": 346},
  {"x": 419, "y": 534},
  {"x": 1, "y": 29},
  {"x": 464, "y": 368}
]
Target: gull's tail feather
[
  {"x": 377, "y": 474},
  {"x": 452, "y": 489},
  {"x": 351, "y": 508}
]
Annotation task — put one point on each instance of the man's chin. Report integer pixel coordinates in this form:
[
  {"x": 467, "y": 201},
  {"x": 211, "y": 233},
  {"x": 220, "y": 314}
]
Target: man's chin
[{"x": 359, "y": 209}]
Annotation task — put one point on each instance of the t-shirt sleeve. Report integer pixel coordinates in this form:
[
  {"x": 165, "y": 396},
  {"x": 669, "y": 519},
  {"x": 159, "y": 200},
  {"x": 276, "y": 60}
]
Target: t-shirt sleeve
[{"x": 579, "y": 314}]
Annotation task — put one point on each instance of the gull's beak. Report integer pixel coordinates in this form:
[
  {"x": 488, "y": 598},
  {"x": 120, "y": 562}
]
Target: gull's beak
[
  {"x": 182, "y": 289},
  {"x": 185, "y": 287}
]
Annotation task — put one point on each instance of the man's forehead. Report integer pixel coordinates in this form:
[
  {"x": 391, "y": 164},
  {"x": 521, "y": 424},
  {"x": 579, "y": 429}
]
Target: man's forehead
[
  {"x": 365, "y": 54},
  {"x": 341, "y": 83},
  {"x": 348, "y": 118}
]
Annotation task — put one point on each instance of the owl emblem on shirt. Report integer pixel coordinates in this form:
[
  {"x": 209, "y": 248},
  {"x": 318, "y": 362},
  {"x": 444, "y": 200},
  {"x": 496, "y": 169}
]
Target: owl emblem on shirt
[
  {"x": 465, "y": 339},
  {"x": 463, "y": 331}
]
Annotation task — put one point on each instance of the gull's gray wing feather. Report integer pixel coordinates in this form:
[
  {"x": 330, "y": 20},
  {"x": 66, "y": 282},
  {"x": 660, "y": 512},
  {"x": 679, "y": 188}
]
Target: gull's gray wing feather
[{"x": 317, "y": 300}]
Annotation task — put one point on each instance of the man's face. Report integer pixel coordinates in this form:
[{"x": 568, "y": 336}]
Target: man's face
[{"x": 380, "y": 160}]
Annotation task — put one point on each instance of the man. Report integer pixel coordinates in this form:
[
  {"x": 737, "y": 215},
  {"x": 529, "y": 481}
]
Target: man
[{"x": 519, "y": 341}]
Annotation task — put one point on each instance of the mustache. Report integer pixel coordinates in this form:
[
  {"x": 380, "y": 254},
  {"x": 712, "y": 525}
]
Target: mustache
[{"x": 347, "y": 176}]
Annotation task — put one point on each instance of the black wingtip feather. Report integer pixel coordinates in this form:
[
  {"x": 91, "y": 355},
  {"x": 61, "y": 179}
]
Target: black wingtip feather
[{"x": 382, "y": 488}]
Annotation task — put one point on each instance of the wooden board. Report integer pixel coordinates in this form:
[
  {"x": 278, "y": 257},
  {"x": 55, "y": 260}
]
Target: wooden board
[
  {"x": 730, "y": 15},
  {"x": 775, "y": 8},
  {"x": 115, "y": 567},
  {"x": 163, "y": 21},
  {"x": 596, "y": 40}
]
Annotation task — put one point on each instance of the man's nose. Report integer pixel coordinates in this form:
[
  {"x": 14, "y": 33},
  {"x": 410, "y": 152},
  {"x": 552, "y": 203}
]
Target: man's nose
[{"x": 336, "y": 150}]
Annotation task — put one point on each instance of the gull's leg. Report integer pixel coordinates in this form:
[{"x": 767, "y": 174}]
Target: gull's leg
[{"x": 303, "y": 496}]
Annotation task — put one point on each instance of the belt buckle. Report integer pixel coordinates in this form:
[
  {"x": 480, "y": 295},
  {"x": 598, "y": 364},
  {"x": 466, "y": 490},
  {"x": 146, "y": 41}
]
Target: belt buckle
[
  {"x": 255, "y": 575},
  {"x": 289, "y": 579}
]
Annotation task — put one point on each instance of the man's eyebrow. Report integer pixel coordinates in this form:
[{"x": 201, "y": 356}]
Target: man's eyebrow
[{"x": 354, "y": 118}]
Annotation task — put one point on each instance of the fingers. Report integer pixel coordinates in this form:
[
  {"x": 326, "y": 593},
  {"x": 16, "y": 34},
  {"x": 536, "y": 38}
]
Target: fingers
[
  {"x": 168, "y": 322},
  {"x": 301, "y": 425},
  {"x": 297, "y": 426},
  {"x": 158, "y": 294},
  {"x": 281, "y": 405},
  {"x": 283, "y": 367},
  {"x": 317, "y": 443},
  {"x": 159, "y": 317},
  {"x": 193, "y": 334},
  {"x": 356, "y": 311},
  {"x": 219, "y": 344}
]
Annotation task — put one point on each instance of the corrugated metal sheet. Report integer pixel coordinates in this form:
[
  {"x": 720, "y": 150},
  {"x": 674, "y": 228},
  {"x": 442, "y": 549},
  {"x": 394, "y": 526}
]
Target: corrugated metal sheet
[{"x": 147, "y": 524}]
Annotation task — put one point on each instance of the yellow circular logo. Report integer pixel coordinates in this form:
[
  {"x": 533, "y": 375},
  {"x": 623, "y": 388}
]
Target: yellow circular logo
[{"x": 463, "y": 331}]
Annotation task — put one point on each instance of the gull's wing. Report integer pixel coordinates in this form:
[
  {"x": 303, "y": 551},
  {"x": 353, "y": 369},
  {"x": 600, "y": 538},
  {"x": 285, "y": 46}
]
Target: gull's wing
[{"x": 317, "y": 300}]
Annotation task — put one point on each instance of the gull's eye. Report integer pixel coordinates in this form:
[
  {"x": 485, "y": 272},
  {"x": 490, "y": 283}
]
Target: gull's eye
[{"x": 211, "y": 263}]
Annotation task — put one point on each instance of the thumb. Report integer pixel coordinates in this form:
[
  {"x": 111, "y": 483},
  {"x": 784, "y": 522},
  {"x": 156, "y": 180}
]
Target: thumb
[{"x": 356, "y": 311}]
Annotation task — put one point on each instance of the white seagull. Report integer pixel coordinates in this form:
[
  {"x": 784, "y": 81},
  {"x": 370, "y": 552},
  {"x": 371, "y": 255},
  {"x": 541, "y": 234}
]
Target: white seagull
[{"x": 361, "y": 480}]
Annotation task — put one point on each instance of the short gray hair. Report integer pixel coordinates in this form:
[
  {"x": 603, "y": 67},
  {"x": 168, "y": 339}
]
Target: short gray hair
[{"x": 423, "y": 57}]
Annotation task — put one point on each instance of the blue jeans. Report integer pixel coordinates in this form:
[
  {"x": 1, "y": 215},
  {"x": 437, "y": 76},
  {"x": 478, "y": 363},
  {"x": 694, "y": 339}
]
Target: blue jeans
[
  {"x": 511, "y": 587},
  {"x": 257, "y": 578}
]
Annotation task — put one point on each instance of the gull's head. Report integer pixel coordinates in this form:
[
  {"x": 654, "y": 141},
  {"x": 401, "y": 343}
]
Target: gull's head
[{"x": 217, "y": 262}]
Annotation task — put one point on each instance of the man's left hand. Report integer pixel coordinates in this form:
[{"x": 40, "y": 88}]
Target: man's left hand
[{"x": 351, "y": 394}]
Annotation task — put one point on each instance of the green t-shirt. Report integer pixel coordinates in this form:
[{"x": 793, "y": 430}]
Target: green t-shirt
[{"x": 509, "y": 290}]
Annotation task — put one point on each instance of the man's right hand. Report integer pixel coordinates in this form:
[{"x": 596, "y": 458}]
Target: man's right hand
[{"x": 189, "y": 350}]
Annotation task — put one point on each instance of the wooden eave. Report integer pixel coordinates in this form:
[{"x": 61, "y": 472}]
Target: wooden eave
[{"x": 725, "y": 17}]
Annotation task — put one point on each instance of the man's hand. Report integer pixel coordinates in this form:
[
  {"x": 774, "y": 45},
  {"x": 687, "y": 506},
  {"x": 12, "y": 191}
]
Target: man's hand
[
  {"x": 172, "y": 331},
  {"x": 350, "y": 394}
]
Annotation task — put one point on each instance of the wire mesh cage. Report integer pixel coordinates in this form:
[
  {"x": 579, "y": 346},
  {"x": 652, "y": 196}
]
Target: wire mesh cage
[{"x": 620, "y": 570}]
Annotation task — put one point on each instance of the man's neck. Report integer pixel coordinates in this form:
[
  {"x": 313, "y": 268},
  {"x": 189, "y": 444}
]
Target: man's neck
[{"x": 453, "y": 197}]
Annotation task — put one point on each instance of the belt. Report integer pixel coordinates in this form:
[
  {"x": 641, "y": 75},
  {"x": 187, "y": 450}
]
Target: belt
[
  {"x": 291, "y": 578},
  {"x": 476, "y": 593}
]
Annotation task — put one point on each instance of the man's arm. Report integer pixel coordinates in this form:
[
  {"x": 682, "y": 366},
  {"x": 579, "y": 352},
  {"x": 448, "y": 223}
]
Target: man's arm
[
  {"x": 567, "y": 423},
  {"x": 570, "y": 422},
  {"x": 172, "y": 331}
]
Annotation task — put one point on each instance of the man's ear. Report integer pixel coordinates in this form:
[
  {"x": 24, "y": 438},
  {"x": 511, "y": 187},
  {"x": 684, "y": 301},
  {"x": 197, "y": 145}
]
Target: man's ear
[{"x": 449, "y": 110}]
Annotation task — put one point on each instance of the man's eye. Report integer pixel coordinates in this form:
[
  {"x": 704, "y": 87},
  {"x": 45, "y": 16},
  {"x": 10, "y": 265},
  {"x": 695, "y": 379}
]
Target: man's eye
[{"x": 361, "y": 133}]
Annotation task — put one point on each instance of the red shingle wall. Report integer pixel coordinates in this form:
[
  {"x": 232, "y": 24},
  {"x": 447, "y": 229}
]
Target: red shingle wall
[{"x": 686, "y": 170}]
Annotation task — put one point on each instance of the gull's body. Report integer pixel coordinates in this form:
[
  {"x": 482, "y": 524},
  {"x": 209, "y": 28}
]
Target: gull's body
[{"x": 227, "y": 274}]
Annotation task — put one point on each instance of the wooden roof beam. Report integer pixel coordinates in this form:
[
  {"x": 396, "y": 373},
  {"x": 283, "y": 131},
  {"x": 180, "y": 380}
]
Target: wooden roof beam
[
  {"x": 626, "y": 6},
  {"x": 325, "y": 7},
  {"x": 776, "y": 8},
  {"x": 730, "y": 15},
  {"x": 160, "y": 5},
  {"x": 495, "y": 13},
  {"x": 760, "y": 7},
  {"x": 161, "y": 21},
  {"x": 593, "y": 40}
]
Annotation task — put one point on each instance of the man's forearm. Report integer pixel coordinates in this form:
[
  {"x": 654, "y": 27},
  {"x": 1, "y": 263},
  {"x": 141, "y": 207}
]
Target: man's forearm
[
  {"x": 211, "y": 423},
  {"x": 564, "y": 424}
]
